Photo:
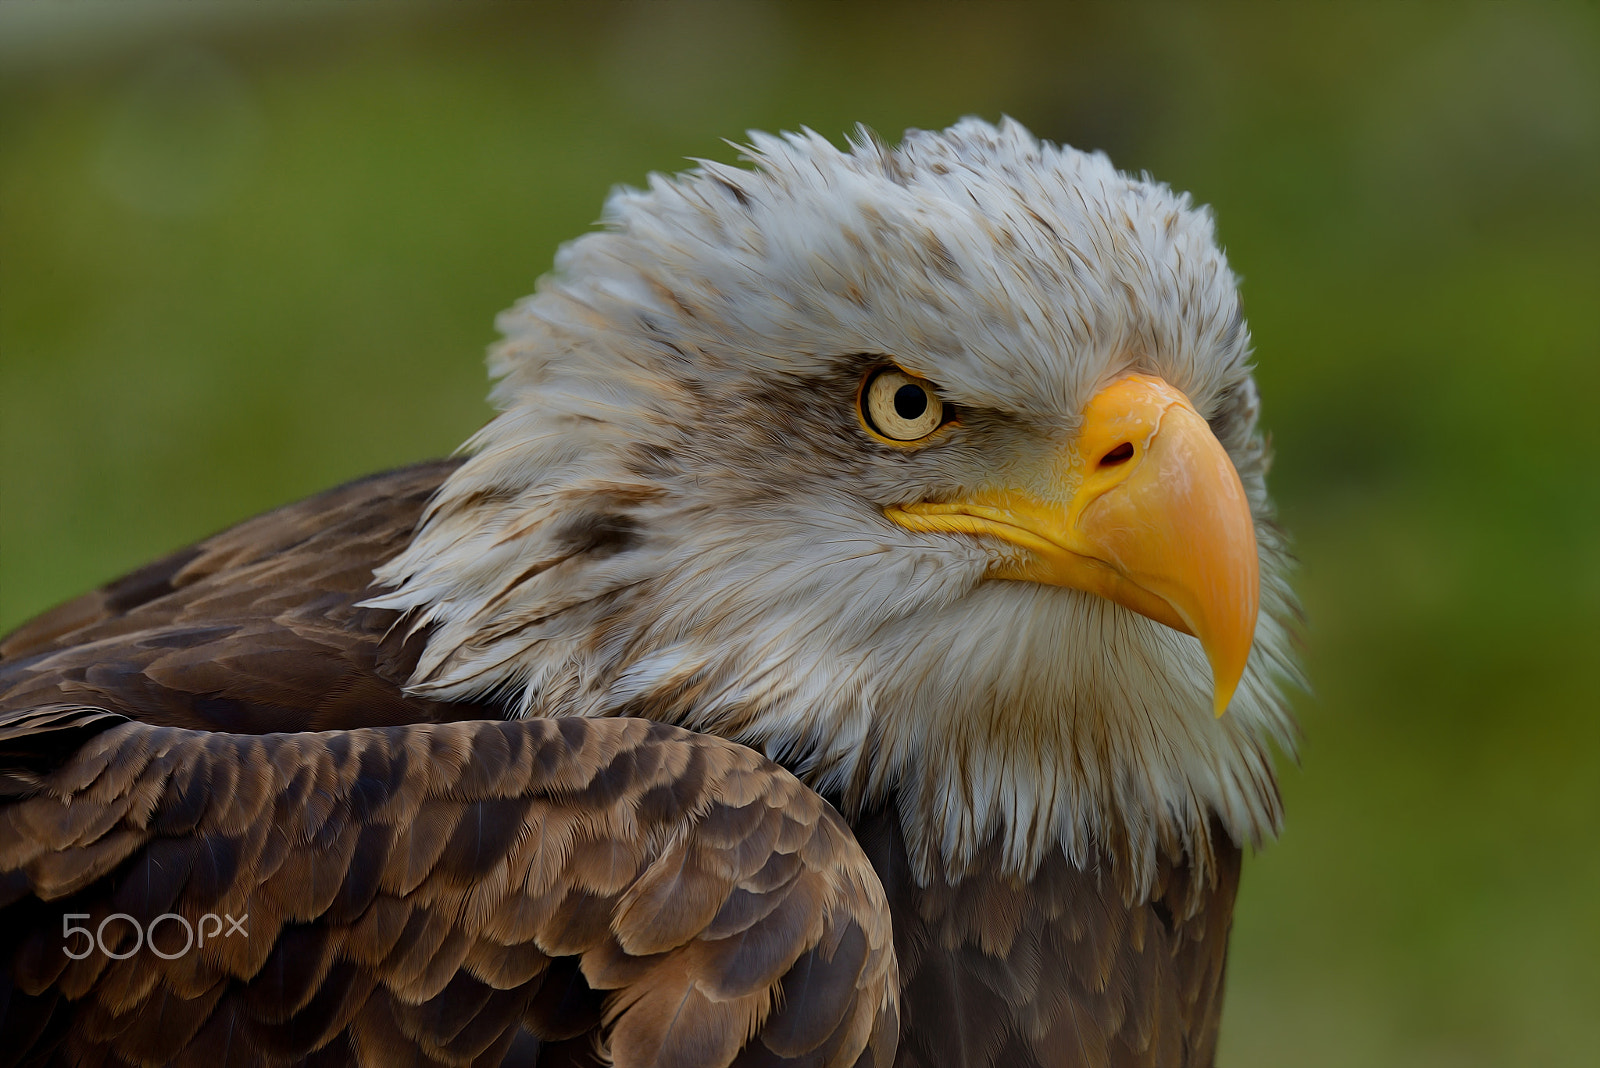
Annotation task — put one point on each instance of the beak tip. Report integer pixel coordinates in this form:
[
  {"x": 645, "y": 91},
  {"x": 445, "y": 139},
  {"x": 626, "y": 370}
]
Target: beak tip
[{"x": 1225, "y": 683}]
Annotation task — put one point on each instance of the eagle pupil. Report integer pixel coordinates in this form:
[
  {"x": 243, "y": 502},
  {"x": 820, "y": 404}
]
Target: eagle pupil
[{"x": 910, "y": 401}]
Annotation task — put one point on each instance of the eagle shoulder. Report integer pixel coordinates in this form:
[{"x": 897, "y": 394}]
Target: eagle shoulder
[{"x": 422, "y": 893}]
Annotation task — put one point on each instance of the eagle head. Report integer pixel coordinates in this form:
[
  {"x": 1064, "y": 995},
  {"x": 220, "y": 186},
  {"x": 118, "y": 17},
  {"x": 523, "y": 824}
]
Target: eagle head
[{"x": 930, "y": 471}]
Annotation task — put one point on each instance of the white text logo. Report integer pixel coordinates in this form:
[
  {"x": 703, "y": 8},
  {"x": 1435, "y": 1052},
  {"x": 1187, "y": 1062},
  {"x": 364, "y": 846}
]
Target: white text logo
[{"x": 210, "y": 926}]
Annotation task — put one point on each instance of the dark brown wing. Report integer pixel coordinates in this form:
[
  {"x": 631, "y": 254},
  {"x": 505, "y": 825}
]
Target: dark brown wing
[
  {"x": 253, "y": 630},
  {"x": 414, "y": 895},
  {"x": 1059, "y": 971}
]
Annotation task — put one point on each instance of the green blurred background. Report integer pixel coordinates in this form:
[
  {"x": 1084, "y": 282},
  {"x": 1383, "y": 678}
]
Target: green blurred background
[{"x": 248, "y": 251}]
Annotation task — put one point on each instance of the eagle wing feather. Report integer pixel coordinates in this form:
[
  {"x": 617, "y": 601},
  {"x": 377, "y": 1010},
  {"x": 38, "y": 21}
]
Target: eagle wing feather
[
  {"x": 425, "y": 882},
  {"x": 412, "y": 891}
]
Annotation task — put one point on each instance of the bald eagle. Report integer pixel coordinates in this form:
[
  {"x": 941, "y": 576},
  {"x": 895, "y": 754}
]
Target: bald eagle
[{"x": 859, "y": 639}]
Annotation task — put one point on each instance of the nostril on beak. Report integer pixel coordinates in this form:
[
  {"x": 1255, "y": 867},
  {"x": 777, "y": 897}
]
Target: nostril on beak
[{"x": 1121, "y": 454}]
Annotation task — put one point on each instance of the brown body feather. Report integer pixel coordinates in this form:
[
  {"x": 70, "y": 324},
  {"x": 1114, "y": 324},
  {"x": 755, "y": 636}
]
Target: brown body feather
[
  {"x": 253, "y": 630},
  {"x": 422, "y": 891}
]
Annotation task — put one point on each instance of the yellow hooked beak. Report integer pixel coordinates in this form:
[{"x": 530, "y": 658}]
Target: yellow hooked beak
[{"x": 1143, "y": 508}]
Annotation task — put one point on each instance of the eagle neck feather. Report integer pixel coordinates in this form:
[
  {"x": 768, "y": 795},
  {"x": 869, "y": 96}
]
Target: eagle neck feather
[{"x": 988, "y": 712}]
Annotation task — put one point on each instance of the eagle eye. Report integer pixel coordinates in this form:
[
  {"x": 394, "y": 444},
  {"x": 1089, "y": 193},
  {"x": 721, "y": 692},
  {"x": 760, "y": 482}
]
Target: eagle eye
[{"x": 900, "y": 407}]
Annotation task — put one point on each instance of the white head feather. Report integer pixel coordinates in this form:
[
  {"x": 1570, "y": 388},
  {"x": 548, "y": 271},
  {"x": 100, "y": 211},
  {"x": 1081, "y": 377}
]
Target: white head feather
[{"x": 677, "y": 515}]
